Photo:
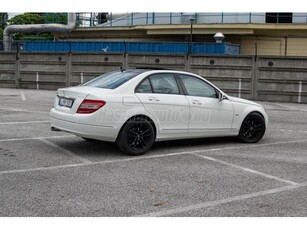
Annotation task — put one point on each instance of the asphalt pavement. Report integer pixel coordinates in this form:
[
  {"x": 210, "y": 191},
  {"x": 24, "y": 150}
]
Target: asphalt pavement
[{"x": 45, "y": 173}]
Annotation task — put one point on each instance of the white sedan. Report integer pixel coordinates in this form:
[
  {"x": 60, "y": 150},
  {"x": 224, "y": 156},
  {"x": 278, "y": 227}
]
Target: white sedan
[{"x": 135, "y": 107}]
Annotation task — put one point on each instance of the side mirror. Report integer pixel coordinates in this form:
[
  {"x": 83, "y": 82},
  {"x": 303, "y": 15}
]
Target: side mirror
[{"x": 222, "y": 96}]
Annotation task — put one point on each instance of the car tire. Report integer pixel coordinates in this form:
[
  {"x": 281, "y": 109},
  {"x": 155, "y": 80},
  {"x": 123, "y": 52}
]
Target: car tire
[
  {"x": 136, "y": 136},
  {"x": 252, "y": 128}
]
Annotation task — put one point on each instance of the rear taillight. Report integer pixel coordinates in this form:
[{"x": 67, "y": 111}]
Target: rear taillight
[{"x": 90, "y": 106}]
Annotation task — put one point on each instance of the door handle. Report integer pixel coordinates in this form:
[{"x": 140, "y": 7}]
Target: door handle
[
  {"x": 153, "y": 99},
  {"x": 196, "y": 102}
]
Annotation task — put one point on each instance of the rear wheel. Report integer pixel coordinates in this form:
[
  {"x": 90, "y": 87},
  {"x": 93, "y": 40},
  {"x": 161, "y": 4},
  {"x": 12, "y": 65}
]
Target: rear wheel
[
  {"x": 252, "y": 128},
  {"x": 136, "y": 137}
]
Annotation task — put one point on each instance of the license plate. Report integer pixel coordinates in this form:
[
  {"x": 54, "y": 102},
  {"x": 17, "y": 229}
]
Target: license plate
[{"x": 66, "y": 102}]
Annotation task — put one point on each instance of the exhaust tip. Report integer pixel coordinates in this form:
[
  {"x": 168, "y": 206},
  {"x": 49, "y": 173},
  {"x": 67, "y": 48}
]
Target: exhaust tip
[{"x": 54, "y": 129}]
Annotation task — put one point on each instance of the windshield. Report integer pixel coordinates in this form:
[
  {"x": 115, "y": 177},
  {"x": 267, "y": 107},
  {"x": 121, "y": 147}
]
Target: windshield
[{"x": 111, "y": 80}]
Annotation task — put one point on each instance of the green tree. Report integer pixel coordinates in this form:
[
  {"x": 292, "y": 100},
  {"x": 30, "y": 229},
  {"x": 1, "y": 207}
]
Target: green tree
[
  {"x": 60, "y": 18},
  {"x": 3, "y": 23},
  {"x": 3, "y": 20},
  {"x": 34, "y": 18},
  {"x": 27, "y": 18}
]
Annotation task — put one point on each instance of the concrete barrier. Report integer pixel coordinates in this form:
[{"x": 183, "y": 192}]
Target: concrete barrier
[
  {"x": 8, "y": 69},
  {"x": 271, "y": 78}
]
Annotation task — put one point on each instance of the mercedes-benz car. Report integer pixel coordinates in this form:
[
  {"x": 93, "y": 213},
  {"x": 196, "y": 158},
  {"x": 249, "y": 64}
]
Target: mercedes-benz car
[{"x": 136, "y": 107}]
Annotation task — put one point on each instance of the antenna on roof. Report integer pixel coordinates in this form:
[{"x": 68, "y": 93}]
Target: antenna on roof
[{"x": 121, "y": 69}]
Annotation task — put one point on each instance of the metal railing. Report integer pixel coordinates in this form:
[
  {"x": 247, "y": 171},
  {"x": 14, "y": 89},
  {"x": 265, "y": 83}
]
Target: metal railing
[
  {"x": 132, "y": 19},
  {"x": 111, "y": 19}
]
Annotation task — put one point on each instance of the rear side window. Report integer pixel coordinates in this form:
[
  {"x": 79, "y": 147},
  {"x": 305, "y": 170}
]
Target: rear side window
[
  {"x": 144, "y": 87},
  {"x": 111, "y": 80},
  {"x": 162, "y": 83}
]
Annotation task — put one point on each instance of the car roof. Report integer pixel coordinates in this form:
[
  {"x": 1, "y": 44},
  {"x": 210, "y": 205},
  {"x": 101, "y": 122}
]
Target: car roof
[{"x": 143, "y": 69}]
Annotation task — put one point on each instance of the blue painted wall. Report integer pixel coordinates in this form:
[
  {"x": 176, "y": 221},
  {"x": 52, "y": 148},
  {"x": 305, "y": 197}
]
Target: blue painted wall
[{"x": 132, "y": 47}]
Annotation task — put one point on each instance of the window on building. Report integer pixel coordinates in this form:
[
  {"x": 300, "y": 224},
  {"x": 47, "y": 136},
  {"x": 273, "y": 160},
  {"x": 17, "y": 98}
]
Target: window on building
[{"x": 278, "y": 17}]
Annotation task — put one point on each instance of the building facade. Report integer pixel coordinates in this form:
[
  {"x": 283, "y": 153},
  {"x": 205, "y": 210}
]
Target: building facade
[{"x": 281, "y": 34}]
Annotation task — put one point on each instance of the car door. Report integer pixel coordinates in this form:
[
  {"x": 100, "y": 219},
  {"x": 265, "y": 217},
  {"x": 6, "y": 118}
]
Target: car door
[
  {"x": 160, "y": 95},
  {"x": 207, "y": 113}
]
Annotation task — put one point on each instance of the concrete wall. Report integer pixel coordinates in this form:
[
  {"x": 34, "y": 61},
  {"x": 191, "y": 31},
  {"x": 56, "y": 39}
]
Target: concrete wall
[
  {"x": 281, "y": 79},
  {"x": 8, "y": 69},
  {"x": 226, "y": 72},
  {"x": 281, "y": 46},
  {"x": 269, "y": 78}
]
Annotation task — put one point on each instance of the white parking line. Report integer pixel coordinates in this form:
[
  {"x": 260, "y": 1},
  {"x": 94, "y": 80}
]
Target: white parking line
[
  {"x": 34, "y": 138},
  {"x": 290, "y": 130},
  {"x": 222, "y": 201},
  {"x": 248, "y": 170},
  {"x": 291, "y": 107},
  {"x": 42, "y": 168},
  {"x": 235, "y": 147},
  {"x": 13, "y": 109},
  {"x": 23, "y": 110},
  {"x": 22, "y": 122},
  {"x": 130, "y": 158},
  {"x": 23, "y": 96},
  {"x": 61, "y": 149}
]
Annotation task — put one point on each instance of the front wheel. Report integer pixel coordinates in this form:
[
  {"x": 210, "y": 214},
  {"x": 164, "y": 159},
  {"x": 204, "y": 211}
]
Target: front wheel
[
  {"x": 136, "y": 137},
  {"x": 252, "y": 128}
]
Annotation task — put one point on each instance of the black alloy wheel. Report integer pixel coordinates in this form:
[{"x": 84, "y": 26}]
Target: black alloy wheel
[
  {"x": 252, "y": 128},
  {"x": 136, "y": 137}
]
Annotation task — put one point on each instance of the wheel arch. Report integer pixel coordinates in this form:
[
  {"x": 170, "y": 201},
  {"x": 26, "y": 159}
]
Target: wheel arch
[
  {"x": 247, "y": 111},
  {"x": 141, "y": 116},
  {"x": 255, "y": 111}
]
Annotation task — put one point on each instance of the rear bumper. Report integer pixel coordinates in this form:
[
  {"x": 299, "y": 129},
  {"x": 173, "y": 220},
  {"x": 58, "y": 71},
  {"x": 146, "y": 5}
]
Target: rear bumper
[{"x": 61, "y": 121}]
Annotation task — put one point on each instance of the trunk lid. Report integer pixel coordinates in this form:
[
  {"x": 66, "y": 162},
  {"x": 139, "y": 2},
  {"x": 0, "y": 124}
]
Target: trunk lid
[{"x": 74, "y": 96}]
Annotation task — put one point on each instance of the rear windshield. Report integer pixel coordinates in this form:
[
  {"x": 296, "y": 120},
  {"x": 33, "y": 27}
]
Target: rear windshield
[{"x": 111, "y": 80}]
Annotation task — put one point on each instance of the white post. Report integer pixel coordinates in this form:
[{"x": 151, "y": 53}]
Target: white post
[
  {"x": 240, "y": 86},
  {"x": 81, "y": 78},
  {"x": 300, "y": 88},
  {"x": 37, "y": 80}
]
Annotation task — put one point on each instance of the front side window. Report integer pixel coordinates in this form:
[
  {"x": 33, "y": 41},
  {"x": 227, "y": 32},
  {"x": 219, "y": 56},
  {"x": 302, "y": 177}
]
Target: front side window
[
  {"x": 197, "y": 87},
  {"x": 111, "y": 80}
]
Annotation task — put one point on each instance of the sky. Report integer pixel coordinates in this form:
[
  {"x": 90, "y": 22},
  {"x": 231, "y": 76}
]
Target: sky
[
  {"x": 156, "y": 6},
  {"x": 12, "y": 14}
]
